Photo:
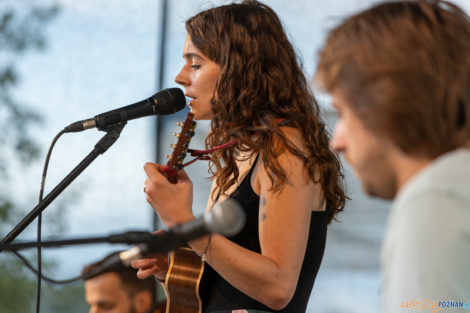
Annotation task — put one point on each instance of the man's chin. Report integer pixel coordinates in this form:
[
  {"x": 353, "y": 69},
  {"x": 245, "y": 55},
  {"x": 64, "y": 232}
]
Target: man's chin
[{"x": 378, "y": 191}]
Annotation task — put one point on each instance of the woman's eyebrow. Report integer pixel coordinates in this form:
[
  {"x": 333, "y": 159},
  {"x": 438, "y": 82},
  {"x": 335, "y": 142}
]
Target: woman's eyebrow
[{"x": 191, "y": 55}]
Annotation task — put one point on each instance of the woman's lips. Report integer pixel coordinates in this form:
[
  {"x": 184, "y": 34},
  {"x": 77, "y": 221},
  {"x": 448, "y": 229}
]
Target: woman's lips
[{"x": 191, "y": 100}]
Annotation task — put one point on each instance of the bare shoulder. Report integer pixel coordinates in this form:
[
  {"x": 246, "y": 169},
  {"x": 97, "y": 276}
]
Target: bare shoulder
[
  {"x": 295, "y": 136},
  {"x": 290, "y": 164},
  {"x": 298, "y": 187}
]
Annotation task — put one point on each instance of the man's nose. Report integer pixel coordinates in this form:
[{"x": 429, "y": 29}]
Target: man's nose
[{"x": 337, "y": 141}]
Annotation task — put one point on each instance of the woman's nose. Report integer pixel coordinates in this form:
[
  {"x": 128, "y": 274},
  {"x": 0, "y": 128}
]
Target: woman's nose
[{"x": 181, "y": 78}]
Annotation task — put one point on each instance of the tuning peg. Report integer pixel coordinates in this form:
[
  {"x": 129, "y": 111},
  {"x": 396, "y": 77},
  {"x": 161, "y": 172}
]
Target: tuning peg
[
  {"x": 167, "y": 156},
  {"x": 176, "y": 135},
  {"x": 179, "y": 124},
  {"x": 172, "y": 145}
]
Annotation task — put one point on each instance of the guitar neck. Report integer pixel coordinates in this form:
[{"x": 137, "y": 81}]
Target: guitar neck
[
  {"x": 185, "y": 266},
  {"x": 180, "y": 148}
]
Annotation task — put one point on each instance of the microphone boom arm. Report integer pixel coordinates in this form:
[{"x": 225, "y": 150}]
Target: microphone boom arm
[{"x": 129, "y": 237}]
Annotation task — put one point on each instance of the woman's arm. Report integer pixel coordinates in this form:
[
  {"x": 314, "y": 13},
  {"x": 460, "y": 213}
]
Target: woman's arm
[{"x": 270, "y": 277}]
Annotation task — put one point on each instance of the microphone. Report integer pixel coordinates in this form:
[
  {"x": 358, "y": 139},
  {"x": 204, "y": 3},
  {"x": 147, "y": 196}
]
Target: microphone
[
  {"x": 226, "y": 218},
  {"x": 164, "y": 102}
]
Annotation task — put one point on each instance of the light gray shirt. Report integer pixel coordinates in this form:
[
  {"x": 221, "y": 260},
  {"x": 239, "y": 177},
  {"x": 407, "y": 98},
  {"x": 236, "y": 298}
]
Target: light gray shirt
[{"x": 426, "y": 250}]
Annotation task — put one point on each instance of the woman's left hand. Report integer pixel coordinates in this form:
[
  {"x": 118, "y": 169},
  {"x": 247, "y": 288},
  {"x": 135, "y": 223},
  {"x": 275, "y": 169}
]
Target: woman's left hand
[{"x": 172, "y": 202}]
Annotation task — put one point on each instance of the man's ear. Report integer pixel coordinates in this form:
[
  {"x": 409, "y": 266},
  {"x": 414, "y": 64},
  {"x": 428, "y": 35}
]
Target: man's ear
[{"x": 143, "y": 301}]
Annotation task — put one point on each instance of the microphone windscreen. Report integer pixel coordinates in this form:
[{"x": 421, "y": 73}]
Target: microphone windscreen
[
  {"x": 169, "y": 101},
  {"x": 226, "y": 218}
]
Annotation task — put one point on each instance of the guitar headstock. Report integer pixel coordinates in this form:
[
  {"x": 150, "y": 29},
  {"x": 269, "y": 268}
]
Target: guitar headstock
[{"x": 181, "y": 147}]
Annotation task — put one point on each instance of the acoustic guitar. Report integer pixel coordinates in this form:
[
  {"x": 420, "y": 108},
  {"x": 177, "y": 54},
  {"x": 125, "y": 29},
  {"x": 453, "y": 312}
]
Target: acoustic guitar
[{"x": 185, "y": 266}]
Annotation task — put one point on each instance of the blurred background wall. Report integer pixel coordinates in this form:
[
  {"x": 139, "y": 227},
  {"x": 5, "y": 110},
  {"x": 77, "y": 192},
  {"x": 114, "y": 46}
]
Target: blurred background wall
[{"x": 97, "y": 55}]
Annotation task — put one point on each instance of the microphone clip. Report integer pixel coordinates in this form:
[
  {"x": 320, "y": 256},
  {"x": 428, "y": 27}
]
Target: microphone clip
[{"x": 108, "y": 122}]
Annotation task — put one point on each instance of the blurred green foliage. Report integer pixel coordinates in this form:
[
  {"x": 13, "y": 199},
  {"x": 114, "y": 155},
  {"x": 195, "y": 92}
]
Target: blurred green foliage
[{"x": 23, "y": 30}]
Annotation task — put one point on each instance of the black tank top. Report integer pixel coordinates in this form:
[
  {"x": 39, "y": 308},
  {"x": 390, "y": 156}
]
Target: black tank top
[{"x": 219, "y": 296}]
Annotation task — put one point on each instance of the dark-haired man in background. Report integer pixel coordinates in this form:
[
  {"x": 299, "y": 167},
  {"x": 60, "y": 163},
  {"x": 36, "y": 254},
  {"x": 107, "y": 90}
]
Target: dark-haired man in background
[{"x": 117, "y": 290}]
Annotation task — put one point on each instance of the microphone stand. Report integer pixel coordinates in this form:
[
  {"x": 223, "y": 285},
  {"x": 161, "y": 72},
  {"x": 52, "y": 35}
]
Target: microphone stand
[
  {"x": 101, "y": 147},
  {"x": 144, "y": 244},
  {"x": 147, "y": 243},
  {"x": 130, "y": 237},
  {"x": 143, "y": 240}
]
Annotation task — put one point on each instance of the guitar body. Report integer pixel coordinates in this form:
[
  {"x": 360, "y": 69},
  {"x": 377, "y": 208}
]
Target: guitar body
[
  {"x": 185, "y": 266},
  {"x": 182, "y": 282}
]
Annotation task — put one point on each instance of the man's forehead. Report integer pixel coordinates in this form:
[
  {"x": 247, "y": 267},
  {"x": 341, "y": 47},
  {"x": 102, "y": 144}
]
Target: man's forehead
[{"x": 104, "y": 283}]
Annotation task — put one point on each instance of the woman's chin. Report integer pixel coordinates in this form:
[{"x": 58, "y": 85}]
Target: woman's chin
[{"x": 200, "y": 116}]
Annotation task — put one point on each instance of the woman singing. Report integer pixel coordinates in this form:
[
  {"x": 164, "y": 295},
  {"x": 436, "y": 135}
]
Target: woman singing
[{"x": 241, "y": 72}]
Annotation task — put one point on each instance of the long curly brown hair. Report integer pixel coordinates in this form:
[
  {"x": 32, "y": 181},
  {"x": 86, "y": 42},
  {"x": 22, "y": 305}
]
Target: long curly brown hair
[{"x": 260, "y": 81}]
